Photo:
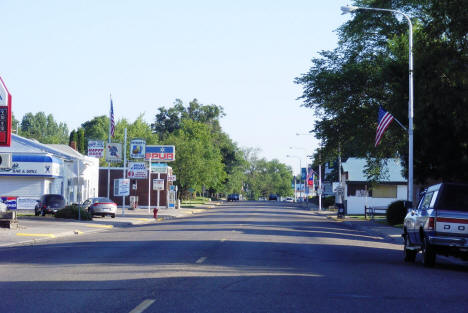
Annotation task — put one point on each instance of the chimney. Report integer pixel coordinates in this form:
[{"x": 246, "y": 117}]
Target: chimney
[{"x": 73, "y": 144}]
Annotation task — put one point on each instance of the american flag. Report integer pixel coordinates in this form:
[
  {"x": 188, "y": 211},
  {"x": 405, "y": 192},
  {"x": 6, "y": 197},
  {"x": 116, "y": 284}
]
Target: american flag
[
  {"x": 385, "y": 119},
  {"x": 112, "y": 122}
]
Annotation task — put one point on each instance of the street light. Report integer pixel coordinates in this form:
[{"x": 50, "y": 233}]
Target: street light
[
  {"x": 300, "y": 167},
  {"x": 350, "y": 9}
]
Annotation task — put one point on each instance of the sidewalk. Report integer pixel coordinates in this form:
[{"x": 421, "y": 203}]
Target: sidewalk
[
  {"x": 371, "y": 226},
  {"x": 32, "y": 229}
]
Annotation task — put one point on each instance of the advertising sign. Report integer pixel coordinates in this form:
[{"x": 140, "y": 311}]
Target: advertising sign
[
  {"x": 26, "y": 203},
  {"x": 121, "y": 187},
  {"x": 32, "y": 166},
  {"x": 171, "y": 178},
  {"x": 96, "y": 148},
  {"x": 136, "y": 170},
  {"x": 303, "y": 173},
  {"x": 160, "y": 168},
  {"x": 114, "y": 152},
  {"x": 158, "y": 184},
  {"x": 5, "y": 115},
  {"x": 137, "y": 148},
  {"x": 160, "y": 153},
  {"x": 10, "y": 202}
]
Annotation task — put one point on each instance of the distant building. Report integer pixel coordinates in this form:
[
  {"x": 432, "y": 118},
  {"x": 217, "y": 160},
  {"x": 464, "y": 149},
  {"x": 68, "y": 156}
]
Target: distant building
[{"x": 358, "y": 193}]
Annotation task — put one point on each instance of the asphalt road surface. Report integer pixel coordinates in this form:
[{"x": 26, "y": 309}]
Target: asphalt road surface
[{"x": 239, "y": 257}]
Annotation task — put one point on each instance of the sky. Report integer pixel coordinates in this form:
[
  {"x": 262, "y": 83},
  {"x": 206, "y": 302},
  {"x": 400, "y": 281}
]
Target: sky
[{"x": 65, "y": 58}]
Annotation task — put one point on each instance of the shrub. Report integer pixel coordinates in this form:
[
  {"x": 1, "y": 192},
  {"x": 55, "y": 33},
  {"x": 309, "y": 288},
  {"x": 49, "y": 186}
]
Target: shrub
[
  {"x": 71, "y": 212},
  {"x": 396, "y": 213}
]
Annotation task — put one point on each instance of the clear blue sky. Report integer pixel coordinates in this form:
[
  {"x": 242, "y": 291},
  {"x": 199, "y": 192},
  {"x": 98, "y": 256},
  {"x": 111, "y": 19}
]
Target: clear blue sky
[{"x": 66, "y": 57}]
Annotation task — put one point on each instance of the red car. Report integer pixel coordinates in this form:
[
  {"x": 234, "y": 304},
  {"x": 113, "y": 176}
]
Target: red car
[{"x": 100, "y": 206}]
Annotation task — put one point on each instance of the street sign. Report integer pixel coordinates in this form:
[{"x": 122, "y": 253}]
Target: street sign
[
  {"x": 137, "y": 148},
  {"x": 158, "y": 184},
  {"x": 5, "y": 115},
  {"x": 96, "y": 148},
  {"x": 136, "y": 170},
  {"x": 160, "y": 153}
]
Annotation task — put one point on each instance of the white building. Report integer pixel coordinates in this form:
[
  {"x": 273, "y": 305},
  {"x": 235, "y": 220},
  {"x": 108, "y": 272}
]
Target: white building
[
  {"x": 39, "y": 169},
  {"x": 357, "y": 192}
]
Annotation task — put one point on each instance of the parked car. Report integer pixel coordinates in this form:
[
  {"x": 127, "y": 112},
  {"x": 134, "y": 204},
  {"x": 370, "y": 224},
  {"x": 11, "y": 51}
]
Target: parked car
[
  {"x": 439, "y": 225},
  {"x": 289, "y": 199},
  {"x": 273, "y": 197},
  {"x": 49, "y": 204},
  {"x": 100, "y": 206},
  {"x": 233, "y": 197}
]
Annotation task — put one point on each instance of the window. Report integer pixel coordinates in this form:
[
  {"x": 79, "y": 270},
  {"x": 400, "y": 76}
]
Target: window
[{"x": 384, "y": 191}]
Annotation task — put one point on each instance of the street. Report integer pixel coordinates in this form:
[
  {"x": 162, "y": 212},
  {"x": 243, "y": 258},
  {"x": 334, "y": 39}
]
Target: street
[{"x": 238, "y": 257}]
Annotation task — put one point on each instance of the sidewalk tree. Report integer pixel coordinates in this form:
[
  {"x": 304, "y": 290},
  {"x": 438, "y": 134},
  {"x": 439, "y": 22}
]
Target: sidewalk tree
[{"x": 369, "y": 68}]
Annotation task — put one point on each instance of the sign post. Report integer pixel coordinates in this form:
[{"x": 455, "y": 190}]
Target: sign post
[{"x": 5, "y": 115}]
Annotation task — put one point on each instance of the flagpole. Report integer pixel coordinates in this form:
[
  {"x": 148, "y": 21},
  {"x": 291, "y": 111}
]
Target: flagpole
[{"x": 109, "y": 141}]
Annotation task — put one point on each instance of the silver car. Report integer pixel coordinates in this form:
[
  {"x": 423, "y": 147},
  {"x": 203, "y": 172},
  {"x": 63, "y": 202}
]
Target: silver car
[{"x": 100, "y": 206}]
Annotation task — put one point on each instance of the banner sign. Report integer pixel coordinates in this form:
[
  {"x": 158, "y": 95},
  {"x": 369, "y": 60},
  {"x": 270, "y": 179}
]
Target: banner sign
[
  {"x": 5, "y": 115},
  {"x": 96, "y": 148},
  {"x": 303, "y": 173},
  {"x": 136, "y": 170},
  {"x": 160, "y": 168},
  {"x": 137, "y": 148},
  {"x": 158, "y": 184},
  {"x": 121, "y": 187},
  {"x": 160, "y": 153},
  {"x": 114, "y": 152}
]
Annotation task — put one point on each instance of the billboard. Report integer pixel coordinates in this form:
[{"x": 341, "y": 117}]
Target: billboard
[
  {"x": 114, "y": 152},
  {"x": 137, "y": 148},
  {"x": 136, "y": 170},
  {"x": 160, "y": 153},
  {"x": 96, "y": 148}
]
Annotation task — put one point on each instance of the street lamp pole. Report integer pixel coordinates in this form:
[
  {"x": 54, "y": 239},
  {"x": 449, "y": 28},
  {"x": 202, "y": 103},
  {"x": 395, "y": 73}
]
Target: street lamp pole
[{"x": 350, "y": 9}]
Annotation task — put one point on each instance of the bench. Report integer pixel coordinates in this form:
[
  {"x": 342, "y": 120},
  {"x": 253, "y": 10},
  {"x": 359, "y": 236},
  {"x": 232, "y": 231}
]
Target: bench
[{"x": 375, "y": 210}]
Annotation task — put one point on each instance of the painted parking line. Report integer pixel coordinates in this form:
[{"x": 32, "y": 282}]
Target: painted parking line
[
  {"x": 98, "y": 226},
  {"x": 201, "y": 260},
  {"x": 144, "y": 219},
  {"x": 35, "y": 235},
  {"x": 143, "y": 306}
]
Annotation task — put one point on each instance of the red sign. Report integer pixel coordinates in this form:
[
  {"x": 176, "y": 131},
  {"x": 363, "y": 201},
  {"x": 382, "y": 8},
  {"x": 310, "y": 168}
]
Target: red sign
[
  {"x": 5, "y": 115},
  {"x": 160, "y": 153},
  {"x": 160, "y": 156}
]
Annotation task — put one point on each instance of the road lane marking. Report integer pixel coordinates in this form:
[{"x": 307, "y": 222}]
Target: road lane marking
[
  {"x": 144, "y": 219},
  {"x": 98, "y": 226},
  {"x": 143, "y": 306},
  {"x": 223, "y": 240},
  {"x": 35, "y": 235},
  {"x": 201, "y": 260}
]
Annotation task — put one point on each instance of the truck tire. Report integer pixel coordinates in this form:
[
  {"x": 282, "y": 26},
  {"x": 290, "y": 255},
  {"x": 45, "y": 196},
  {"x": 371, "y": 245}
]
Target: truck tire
[
  {"x": 428, "y": 253},
  {"x": 410, "y": 255}
]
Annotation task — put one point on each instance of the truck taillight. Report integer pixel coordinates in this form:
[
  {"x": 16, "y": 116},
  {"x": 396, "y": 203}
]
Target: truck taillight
[{"x": 430, "y": 224}]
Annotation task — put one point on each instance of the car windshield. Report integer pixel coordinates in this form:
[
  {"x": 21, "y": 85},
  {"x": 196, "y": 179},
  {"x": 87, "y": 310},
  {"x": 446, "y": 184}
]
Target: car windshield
[{"x": 454, "y": 198}]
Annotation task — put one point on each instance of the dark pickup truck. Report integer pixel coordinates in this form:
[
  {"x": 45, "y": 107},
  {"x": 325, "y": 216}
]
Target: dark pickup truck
[{"x": 439, "y": 225}]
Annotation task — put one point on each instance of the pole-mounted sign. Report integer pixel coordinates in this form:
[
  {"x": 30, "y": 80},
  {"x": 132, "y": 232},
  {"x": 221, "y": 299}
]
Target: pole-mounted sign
[
  {"x": 5, "y": 115},
  {"x": 160, "y": 153}
]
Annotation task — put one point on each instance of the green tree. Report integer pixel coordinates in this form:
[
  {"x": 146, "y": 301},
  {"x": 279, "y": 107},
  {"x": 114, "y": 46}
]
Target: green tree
[{"x": 44, "y": 128}]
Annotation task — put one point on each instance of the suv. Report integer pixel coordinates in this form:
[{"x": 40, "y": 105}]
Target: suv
[
  {"x": 49, "y": 203},
  {"x": 439, "y": 225},
  {"x": 233, "y": 197}
]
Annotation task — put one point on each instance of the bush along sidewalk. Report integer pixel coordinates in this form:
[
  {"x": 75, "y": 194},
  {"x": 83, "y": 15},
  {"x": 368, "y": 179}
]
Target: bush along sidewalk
[{"x": 71, "y": 212}]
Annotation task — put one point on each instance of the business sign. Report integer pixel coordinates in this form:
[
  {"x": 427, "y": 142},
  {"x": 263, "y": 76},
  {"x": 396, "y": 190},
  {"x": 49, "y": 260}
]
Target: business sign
[
  {"x": 5, "y": 115},
  {"x": 160, "y": 153},
  {"x": 171, "y": 178},
  {"x": 137, "y": 148},
  {"x": 96, "y": 148},
  {"x": 158, "y": 184},
  {"x": 114, "y": 152},
  {"x": 303, "y": 173},
  {"x": 26, "y": 203},
  {"x": 32, "y": 165},
  {"x": 160, "y": 168},
  {"x": 10, "y": 202},
  {"x": 136, "y": 170},
  {"x": 121, "y": 187}
]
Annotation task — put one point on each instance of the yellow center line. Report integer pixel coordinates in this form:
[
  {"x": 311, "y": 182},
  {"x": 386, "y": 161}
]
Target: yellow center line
[{"x": 35, "y": 235}]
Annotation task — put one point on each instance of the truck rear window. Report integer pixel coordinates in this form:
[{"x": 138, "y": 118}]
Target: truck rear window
[{"x": 454, "y": 198}]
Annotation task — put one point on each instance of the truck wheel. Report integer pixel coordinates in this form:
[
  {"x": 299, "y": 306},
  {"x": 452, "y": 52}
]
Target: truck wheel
[
  {"x": 410, "y": 255},
  {"x": 428, "y": 253}
]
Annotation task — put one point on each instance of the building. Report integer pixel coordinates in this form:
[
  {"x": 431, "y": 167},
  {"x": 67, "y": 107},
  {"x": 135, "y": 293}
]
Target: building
[
  {"x": 39, "y": 169},
  {"x": 358, "y": 193}
]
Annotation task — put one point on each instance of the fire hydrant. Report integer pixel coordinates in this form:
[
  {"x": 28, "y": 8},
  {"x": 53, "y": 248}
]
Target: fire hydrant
[{"x": 155, "y": 213}]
